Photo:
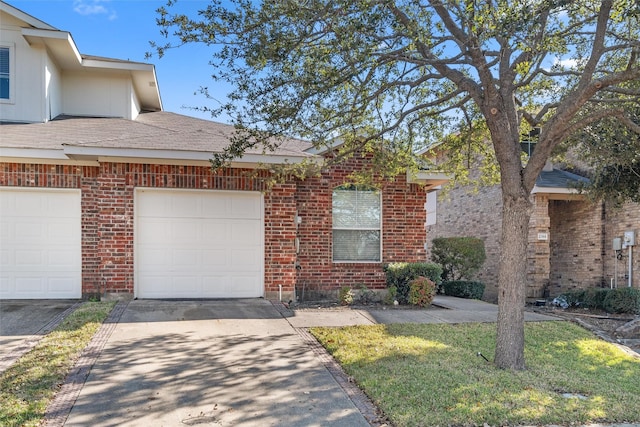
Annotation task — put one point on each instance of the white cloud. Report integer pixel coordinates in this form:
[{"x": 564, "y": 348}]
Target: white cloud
[
  {"x": 93, "y": 7},
  {"x": 568, "y": 64}
]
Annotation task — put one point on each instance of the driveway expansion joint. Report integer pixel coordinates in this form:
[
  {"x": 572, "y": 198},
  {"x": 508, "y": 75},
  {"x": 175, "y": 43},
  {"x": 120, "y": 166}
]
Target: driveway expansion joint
[{"x": 59, "y": 408}]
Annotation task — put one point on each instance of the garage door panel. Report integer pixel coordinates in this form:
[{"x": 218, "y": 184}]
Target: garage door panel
[
  {"x": 217, "y": 258},
  {"x": 216, "y": 231},
  {"x": 185, "y": 231},
  {"x": 245, "y": 260},
  {"x": 41, "y": 243},
  {"x": 210, "y": 240},
  {"x": 153, "y": 231}
]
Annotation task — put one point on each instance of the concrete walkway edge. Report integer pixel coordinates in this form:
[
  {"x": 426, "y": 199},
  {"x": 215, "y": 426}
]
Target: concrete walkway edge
[{"x": 59, "y": 408}]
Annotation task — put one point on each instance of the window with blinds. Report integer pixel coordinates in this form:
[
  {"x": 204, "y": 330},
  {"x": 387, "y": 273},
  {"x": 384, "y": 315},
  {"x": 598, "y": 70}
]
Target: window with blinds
[
  {"x": 5, "y": 73},
  {"x": 357, "y": 223}
]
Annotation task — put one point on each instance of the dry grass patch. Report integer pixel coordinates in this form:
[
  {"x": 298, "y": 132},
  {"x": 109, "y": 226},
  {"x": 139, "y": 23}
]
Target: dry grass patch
[
  {"x": 430, "y": 375},
  {"x": 28, "y": 385}
]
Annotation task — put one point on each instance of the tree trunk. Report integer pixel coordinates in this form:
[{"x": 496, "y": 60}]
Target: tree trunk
[{"x": 516, "y": 212}]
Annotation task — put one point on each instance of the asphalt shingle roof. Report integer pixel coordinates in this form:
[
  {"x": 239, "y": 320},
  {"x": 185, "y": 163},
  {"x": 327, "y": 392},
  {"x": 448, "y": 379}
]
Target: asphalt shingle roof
[
  {"x": 559, "y": 179},
  {"x": 150, "y": 131}
]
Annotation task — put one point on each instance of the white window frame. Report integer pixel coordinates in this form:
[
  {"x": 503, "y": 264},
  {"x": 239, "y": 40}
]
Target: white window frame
[
  {"x": 12, "y": 74},
  {"x": 379, "y": 228}
]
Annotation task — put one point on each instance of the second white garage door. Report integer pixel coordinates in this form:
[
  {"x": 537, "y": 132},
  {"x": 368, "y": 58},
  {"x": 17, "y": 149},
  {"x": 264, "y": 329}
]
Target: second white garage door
[{"x": 199, "y": 244}]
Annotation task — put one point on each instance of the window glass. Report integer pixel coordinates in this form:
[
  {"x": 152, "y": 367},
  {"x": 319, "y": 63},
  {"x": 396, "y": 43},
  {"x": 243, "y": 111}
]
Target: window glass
[
  {"x": 356, "y": 224},
  {"x": 4, "y": 73}
]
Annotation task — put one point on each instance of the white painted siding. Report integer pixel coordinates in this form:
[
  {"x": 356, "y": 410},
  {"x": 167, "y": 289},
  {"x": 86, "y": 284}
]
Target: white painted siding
[
  {"x": 28, "y": 103},
  {"x": 94, "y": 94}
]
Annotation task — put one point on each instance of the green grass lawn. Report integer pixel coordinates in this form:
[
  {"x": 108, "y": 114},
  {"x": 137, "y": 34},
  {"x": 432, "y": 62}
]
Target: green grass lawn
[
  {"x": 28, "y": 385},
  {"x": 430, "y": 375}
]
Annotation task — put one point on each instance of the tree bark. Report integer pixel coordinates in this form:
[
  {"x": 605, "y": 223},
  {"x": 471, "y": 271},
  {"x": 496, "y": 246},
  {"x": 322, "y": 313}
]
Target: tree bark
[{"x": 516, "y": 212}]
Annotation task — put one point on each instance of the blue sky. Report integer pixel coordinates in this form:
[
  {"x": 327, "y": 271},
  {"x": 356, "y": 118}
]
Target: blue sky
[{"x": 122, "y": 29}]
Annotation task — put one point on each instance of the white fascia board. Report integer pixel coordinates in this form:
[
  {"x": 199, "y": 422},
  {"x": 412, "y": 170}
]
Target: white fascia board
[
  {"x": 58, "y": 36},
  {"x": 36, "y": 153},
  {"x": 324, "y": 149},
  {"x": 118, "y": 65},
  {"x": 554, "y": 190},
  {"x": 17, "y": 13},
  {"x": 167, "y": 156},
  {"x": 424, "y": 177},
  {"x": 40, "y": 156}
]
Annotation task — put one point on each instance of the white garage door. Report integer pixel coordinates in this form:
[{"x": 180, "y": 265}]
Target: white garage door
[
  {"x": 40, "y": 244},
  {"x": 199, "y": 244}
]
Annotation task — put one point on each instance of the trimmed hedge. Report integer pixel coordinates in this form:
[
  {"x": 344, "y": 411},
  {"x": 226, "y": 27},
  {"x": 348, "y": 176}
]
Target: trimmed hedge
[
  {"x": 460, "y": 257},
  {"x": 400, "y": 275},
  {"x": 622, "y": 300},
  {"x": 619, "y": 300},
  {"x": 463, "y": 289}
]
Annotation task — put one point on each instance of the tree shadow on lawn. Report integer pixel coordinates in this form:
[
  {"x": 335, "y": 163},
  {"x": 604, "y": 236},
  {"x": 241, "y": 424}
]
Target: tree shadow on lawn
[{"x": 572, "y": 376}]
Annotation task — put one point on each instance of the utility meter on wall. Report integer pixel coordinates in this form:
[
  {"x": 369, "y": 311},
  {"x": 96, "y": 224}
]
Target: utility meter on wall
[{"x": 629, "y": 239}]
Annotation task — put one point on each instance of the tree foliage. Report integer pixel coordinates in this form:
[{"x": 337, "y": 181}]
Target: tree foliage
[{"x": 389, "y": 76}]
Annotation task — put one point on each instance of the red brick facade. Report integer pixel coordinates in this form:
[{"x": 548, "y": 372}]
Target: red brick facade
[
  {"x": 403, "y": 233},
  {"x": 107, "y": 200}
]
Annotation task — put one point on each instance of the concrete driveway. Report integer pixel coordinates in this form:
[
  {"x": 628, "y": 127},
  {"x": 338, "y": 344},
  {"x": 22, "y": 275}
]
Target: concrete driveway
[
  {"x": 232, "y": 362},
  {"x": 24, "y": 322}
]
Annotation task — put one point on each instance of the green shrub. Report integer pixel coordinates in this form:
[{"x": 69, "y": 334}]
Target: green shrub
[
  {"x": 346, "y": 295},
  {"x": 421, "y": 291},
  {"x": 575, "y": 298},
  {"x": 594, "y": 297},
  {"x": 622, "y": 300},
  {"x": 463, "y": 289},
  {"x": 460, "y": 257},
  {"x": 392, "y": 292},
  {"x": 400, "y": 274}
]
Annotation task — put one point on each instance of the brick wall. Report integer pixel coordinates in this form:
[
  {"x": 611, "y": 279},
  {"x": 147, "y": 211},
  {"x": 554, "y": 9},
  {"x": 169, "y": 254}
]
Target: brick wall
[
  {"x": 465, "y": 211},
  {"x": 618, "y": 221},
  {"x": 108, "y": 214},
  {"x": 108, "y": 221},
  {"x": 403, "y": 233},
  {"x": 538, "y": 248},
  {"x": 576, "y": 245}
]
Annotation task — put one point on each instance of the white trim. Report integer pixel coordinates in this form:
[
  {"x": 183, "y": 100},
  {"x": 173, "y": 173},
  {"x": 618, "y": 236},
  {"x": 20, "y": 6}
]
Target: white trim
[
  {"x": 137, "y": 154},
  {"x": 54, "y": 35},
  {"x": 553, "y": 190},
  {"x": 117, "y": 65},
  {"x": 380, "y": 230},
  {"x": 12, "y": 73},
  {"x": 426, "y": 177},
  {"x": 17, "y": 13}
]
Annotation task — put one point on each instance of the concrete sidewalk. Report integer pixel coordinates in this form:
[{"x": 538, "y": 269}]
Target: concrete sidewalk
[{"x": 445, "y": 309}]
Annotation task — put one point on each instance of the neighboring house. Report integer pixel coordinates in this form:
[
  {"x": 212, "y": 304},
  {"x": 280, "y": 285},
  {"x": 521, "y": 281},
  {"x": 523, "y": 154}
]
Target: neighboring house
[
  {"x": 570, "y": 238},
  {"x": 104, "y": 193}
]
